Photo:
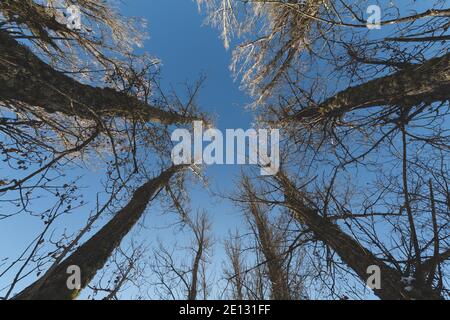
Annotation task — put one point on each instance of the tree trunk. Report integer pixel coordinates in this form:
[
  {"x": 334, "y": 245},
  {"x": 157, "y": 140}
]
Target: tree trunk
[
  {"x": 192, "y": 295},
  {"x": 277, "y": 275},
  {"x": 425, "y": 83},
  {"x": 350, "y": 251},
  {"x": 27, "y": 79},
  {"x": 92, "y": 255}
]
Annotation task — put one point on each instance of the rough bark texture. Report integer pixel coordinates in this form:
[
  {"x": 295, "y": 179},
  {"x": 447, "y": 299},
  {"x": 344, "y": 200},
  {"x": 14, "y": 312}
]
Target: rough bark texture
[
  {"x": 27, "y": 79},
  {"x": 94, "y": 253},
  {"x": 425, "y": 83},
  {"x": 356, "y": 256}
]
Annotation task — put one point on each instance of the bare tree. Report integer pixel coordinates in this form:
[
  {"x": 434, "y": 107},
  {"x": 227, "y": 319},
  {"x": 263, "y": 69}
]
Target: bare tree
[
  {"x": 270, "y": 244},
  {"x": 188, "y": 279},
  {"x": 125, "y": 269},
  {"x": 363, "y": 116},
  {"x": 93, "y": 254},
  {"x": 266, "y": 263},
  {"x": 235, "y": 271},
  {"x": 70, "y": 98}
]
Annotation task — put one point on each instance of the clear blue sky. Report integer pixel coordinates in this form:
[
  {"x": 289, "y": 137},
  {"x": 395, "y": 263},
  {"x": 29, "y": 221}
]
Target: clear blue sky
[{"x": 187, "y": 50}]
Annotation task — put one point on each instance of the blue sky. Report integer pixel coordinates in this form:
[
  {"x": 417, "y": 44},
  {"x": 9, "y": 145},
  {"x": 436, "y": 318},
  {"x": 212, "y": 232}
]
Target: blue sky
[{"x": 187, "y": 50}]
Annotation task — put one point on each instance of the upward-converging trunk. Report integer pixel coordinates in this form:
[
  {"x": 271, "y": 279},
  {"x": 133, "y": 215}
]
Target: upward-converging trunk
[
  {"x": 93, "y": 254},
  {"x": 356, "y": 256},
  {"x": 192, "y": 294},
  {"x": 268, "y": 244},
  {"x": 276, "y": 271},
  {"x": 27, "y": 79},
  {"x": 425, "y": 83}
]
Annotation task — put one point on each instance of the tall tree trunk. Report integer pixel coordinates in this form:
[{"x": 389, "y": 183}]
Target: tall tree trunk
[
  {"x": 200, "y": 229},
  {"x": 425, "y": 83},
  {"x": 192, "y": 295},
  {"x": 356, "y": 256},
  {"x": 268, "y": 245},
  {"x": 277, "y": 275},
  {"x": 233, "y": 249},
  {"x": 93, "y": 254},
  {"x": 27, "y": 79}
]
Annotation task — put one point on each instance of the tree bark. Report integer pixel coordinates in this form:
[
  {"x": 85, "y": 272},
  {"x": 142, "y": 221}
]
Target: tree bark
[
  {"x": 425, "y": 83},
  {"x": 277, "y": 275},
  {"x": 27, "y": 79},
  {"x": 356, "y": 256},
  {"x": 93, "y": 254},
  {"x": 192, "y": 295}
]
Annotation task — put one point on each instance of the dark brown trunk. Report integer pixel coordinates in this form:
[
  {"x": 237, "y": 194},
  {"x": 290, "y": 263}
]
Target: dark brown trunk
[
  {"x": 27, "y": 79},
  {"x": 356, "y": 256},
  {"x": 277, "y": 274},
  {"x": 425, "y": 83},
  {"x": 93, "y": 254}
]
